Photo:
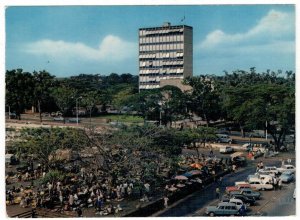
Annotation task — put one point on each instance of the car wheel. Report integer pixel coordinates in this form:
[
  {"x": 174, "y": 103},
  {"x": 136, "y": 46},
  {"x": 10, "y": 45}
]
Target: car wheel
[
  {"x": 263, "y": 189},
  {"x": 211, "y": 214}
]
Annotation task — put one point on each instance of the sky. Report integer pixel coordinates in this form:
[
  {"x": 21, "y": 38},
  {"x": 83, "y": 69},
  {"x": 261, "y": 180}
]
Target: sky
[{"x": 69, "y": 40}]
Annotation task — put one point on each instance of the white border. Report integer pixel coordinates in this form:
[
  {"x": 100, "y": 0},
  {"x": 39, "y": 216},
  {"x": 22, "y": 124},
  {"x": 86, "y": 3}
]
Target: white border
[{"x": 6, "y": 3}]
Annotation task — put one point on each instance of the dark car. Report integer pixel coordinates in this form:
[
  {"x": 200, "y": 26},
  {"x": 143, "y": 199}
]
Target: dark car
[
  {"x": 247, "y": 200},
  {"x": 250, "y": 192}
]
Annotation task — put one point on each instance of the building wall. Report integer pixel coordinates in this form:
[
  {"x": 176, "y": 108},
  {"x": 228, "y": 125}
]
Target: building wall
[
  {"x": 175, "y": 82},
  {"x": 164, "y": 53}
]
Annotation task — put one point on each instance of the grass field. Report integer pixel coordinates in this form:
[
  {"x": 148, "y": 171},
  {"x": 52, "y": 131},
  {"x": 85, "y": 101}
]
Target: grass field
[{"x": 122, "y": 118}]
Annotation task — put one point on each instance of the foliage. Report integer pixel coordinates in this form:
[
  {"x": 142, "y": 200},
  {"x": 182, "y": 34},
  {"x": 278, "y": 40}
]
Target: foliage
[
  {"x": 136, "y": 151},
  {"x": 204, "y": 100},
  {"x": 43, "y": 82},
  {"x": 64, "y": 98},
  {"x": 42, "y": 142},
  {"x": 53, "y": 176},
  {"x": 19, "y": 90}
]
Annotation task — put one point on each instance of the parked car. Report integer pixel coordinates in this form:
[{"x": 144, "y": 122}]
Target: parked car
[
  {"x": 223, "y": 138},
  {"x": 287, "y": 177},
  {"x": 58, "y": 119},
  {"x": 251, "y": 193},
  {"x": 226, "y": 149},
  {"x": 12, "y": 115},
  {"x": 265, "y": 172},
  {"x": 73, "y": 120},
  {"x": 234, "y": 193},
  {"x": 236, "y": 201},
  {"x": 247, "y": 200},
  {"x": 260, "y": 185},
  {"x": 286, "y": 167},
  {"x": 271, "y": 169},
  {"x": 222, "y": 209},
  {"x": 265, "y": 178}
]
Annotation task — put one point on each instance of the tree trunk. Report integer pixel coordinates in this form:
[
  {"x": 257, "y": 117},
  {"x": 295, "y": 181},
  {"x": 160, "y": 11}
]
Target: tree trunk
[
  {"x": 242, "y": 131},
  {"x": 198, "y": 153},
  {"x": 40, "y": 112}
]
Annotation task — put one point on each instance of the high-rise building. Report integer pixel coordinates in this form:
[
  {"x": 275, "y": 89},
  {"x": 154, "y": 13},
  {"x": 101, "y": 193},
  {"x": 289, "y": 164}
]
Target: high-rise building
[{"x": 165, "y": 52}]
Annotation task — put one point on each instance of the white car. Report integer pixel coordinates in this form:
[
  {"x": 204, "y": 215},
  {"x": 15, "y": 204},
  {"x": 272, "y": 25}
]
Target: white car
[
  {"x": 226, "y": 149},
  {"x": 287, "y": 167},
  {"x": 270, "y": 169},
  {"x": 265, "y": 178},
  {"x": 238, "y": 203},
  {"x": 260, "y": 185}
]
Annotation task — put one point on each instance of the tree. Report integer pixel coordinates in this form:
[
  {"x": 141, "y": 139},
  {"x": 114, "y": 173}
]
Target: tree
[
  {"x": 43, "y": 142},
  {"x": 43, "y": 82},
  {"x": 89, "y": 101},
  {"x": 204, "y": 99},
  {"x": 200, "y": 135},
  {"x": 173, "y": 104},
  {"x": 19, "y": 87},
  {"x": 64, "y": 98},
  {"x": 135, "y": 151}
]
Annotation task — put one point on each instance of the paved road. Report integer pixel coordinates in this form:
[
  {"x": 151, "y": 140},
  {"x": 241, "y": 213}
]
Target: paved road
[
  {"x": 272, "y": 203},
  {"x": 199, "y": 199}
]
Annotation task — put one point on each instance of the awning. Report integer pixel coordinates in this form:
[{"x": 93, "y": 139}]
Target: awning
[{"x": 237, "y": 154}]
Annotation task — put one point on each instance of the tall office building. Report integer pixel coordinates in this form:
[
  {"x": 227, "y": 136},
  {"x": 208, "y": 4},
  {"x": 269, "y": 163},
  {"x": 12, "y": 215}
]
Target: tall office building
[{"x": 165, "y": 52}]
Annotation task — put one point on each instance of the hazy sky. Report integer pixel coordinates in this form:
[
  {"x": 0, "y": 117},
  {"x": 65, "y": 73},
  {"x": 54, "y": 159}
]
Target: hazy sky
[{"x": 69, "y": 40}]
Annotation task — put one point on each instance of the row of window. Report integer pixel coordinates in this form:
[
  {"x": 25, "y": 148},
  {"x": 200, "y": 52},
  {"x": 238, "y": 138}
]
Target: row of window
[
  {"x": 172, "y": 54},
  {"x": 173, "y": 42},
  {"x": 158, "y": 63},
  {"x": 149, "y": 82},
  {"x": 161, "y": 71},
  {"x": 160, "y": 31},
  {"x": 157, "y": 74},
  {"x": 157, "y": 47},
  {"x": 162, "y": 39}
]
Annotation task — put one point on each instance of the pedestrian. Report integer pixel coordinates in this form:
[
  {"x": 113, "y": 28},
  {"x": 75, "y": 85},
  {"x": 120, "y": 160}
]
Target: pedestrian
[
  {"x": 220, "y": 181},
  {"x": 279, "y": 184},
  {"x": 79, "y": 212},
  {"x": 242, "y": 210},
  {"x": 217, "y": 193},
  {"x": 282, "y": 162},
  {"x": 257, "y": 167},
  {"x": 166, "y": 199},
  {"x": 233, "y": 168},
  {"x": 289, "y": 160},
  {"x": 275, "y": 183}
]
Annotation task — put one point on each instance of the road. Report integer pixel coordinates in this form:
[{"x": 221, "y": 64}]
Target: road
[{"x": 272, "y": 203}]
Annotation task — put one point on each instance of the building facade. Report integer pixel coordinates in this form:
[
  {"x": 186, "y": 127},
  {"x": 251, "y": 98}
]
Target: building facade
[{"x": 165, "y": 52}]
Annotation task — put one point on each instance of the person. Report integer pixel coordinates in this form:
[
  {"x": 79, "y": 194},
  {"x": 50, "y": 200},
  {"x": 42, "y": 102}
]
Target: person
[
  {"x": 261, "y": 165},
  {"x": 289, "y": 160},
  {"x": 279, "y": 184},
  {"x": 242, "y": 210},
  {"x": 217, "y": 193},
  {"x": 233, "y": 168},
  {"x": 220, "y": 181},
  {"x": 79, "y": 212},
  {"x": 282, "y": 162},
  {"x": 166, "y": 199},
  {"x": 275, "y": 183},
  {"x": 257, "y": 167}
]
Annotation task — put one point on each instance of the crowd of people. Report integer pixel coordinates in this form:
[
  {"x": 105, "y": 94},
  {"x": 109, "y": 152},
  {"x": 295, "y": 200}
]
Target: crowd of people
[{"x": 92, "y": 188}]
